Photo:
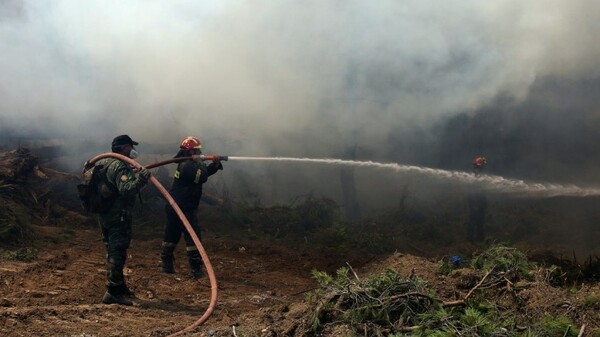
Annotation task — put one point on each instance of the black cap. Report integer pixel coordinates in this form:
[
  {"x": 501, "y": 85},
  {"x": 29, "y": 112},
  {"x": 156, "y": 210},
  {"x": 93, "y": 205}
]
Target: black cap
[{"x": 123, "y": 140}]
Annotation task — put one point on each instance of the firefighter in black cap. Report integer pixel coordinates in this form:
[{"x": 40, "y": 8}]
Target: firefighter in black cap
[
  {"x": 123, "y": 186},
  {"x": 477, "y": 205}
]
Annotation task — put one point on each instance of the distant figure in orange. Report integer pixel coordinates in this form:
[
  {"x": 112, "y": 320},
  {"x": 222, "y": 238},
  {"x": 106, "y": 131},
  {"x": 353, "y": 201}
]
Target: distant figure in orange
[{"x": 477, "y": 205}]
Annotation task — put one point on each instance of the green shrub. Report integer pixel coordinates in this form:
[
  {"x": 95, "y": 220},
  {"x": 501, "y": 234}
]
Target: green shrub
[
  {"x": 316, "y": 212},
  {"x": 558, "y": 326},
  {"x": 379, "y": 301},
  {"x": 591, "y": 301},
  {"x": 502, "y": 259},
  {"x": 14, "y": 220},
  {"x": 25, "y": 254}
]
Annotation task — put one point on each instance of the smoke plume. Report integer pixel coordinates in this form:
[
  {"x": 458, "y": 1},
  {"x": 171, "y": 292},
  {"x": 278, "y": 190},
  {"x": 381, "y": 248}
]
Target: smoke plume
[{"x": 289, "y": 78}]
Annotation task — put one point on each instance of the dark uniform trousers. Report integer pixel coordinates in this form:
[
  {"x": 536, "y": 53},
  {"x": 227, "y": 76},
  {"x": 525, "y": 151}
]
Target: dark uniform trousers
[
  {"x": 173, "y": 232},
  {"x": 116, "y": 236}
]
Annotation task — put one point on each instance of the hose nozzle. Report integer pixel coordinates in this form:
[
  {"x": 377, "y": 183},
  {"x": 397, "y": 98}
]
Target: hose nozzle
[{"x": 213, "y": 157}]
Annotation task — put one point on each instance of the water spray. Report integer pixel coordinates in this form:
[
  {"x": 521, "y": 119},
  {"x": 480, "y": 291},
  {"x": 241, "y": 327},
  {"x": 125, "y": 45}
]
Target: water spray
[{"x": 490, "y": 182}]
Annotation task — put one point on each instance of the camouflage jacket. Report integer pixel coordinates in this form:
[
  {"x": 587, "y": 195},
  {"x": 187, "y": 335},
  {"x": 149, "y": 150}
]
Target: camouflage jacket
[{"x": 121, "y": 180}]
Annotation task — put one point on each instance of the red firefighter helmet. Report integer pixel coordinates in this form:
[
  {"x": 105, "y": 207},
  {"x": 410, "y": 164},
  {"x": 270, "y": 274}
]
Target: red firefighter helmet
[
  {"x": 479, "y": 161},
  {"x": 189, "y": 143}
]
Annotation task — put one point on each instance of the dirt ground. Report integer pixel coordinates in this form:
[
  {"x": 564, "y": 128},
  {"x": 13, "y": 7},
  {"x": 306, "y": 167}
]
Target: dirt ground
[
  {"x": 59, "y": 294},
  {"x": 262, "y": 287}
]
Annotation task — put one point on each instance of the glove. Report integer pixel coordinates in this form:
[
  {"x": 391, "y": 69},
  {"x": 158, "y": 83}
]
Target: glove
[
  {"x": 217, "y": 163},
  {"x": 144, "y": 175}
]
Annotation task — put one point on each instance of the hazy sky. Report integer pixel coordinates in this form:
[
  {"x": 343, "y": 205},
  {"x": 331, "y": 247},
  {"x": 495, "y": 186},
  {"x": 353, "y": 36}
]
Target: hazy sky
[{"x": 255, "y": 71}]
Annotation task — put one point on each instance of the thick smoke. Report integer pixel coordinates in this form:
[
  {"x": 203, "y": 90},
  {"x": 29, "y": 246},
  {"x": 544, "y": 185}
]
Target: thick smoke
[{"x": 308, "y": 78}]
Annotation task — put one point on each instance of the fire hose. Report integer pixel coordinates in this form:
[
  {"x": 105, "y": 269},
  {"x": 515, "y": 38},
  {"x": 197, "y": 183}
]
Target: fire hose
[
  {"x": 180, "y": 159},
  {"x": 184, "y": 220}
]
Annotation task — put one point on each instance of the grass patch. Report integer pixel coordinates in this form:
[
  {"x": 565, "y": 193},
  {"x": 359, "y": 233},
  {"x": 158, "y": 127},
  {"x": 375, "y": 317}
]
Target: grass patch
[
  {"x": 558, "y": 326},
  {"x": 591, "y": 301},
  {"x": 25, "y": 254},
  {"x": 14, "y": 220}
]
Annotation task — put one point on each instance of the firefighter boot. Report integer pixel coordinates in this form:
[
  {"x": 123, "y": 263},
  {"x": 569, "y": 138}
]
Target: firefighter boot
[
  {"x": 128, "y": 293},
  {"x": 114, "y": 296},
  {"x": 116, "y": 282},
  {"x": 166, "y": 257},
  {"x": 195, "y": 263}
]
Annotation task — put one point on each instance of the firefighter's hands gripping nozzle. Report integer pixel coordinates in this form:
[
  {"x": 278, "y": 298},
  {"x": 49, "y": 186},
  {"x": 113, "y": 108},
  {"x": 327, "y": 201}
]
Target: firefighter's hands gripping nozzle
[{"x": 216, "y": 159}]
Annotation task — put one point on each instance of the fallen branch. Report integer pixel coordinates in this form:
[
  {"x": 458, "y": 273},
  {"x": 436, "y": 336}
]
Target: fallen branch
[
  {"x": 581, "y": 331},
  {"x": 303, "y": 291},
  {"x": 413, "y": 293},
  {"x": 409, "y": 328},
  {"x": 454, "y": 303},
  {"x": 479, "y": 284},
  {"x": 386, "y": 300},
  {"x": 353, "y": 272},
  {"x": 470, "y": 293}
]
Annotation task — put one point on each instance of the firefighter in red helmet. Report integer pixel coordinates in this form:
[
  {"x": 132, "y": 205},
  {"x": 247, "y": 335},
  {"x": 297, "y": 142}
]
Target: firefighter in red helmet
[
  {"x": 477, "y": 205},
  {"x": 191, "y": 143},
  {"x": 186, "y": 190}
]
